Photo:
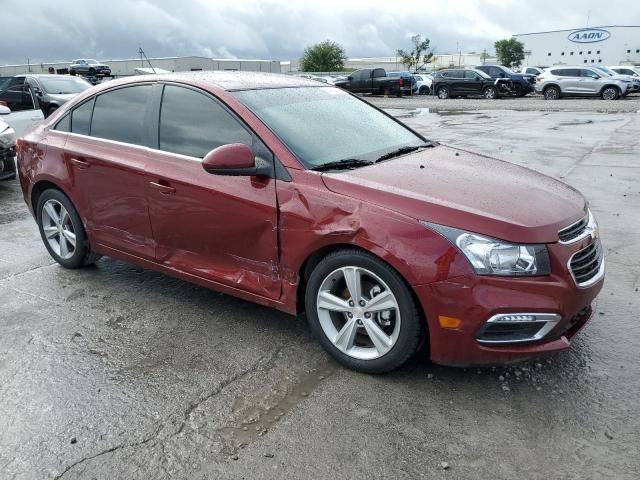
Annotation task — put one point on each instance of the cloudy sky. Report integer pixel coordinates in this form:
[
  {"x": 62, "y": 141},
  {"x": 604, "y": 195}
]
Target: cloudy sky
[{"x": 50, "y": 30}]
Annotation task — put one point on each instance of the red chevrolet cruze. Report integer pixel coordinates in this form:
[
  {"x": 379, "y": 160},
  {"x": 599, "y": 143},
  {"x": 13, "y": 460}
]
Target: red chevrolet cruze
[{"x": 297, "y": 195}]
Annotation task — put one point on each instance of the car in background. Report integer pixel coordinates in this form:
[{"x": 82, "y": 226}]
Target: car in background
[
  {"x": 7, "y": 150},
  {"x": 633, "y": 82},
  {"x": 535, "y": 71},
  {"x": 297, "y": 195},
  {"x": 423, "y": 83},
  {"x": 626, "y": 70},
  {"x": 89, "y": 67},
  {"x": 52, "y": 91},
  {"x": 20, "y": 109},
  {"x": 375, "y": 81},
  {"x": 464, "y": 82},
  {"x": 557, "y": 82},
  {"x": 408, "y": 77},
  {"x": 522, "y": 84}
]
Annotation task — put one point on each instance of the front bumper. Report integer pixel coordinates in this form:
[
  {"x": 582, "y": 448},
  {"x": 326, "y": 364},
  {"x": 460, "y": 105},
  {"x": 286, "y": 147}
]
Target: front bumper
[{"x": 475, "y": 299}]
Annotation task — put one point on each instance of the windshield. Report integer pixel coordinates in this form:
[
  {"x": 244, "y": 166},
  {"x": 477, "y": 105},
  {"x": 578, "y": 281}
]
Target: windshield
[
  {"x": 508, "y": 70},
  {"x": 92, "y": 62},
  {"x": 325, "y": 124},
  {"x": 605, "y": 70},
  {"x": 61, "y": 85}
]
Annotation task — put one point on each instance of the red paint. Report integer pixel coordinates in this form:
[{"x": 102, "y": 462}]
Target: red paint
[
  {"x": 251, "y": 236},
  {"x": 234, "y": 155}
]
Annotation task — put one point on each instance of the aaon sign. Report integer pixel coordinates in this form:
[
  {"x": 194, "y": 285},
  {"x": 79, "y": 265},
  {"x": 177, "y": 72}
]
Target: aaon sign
[{"x": 589, "y": 35}]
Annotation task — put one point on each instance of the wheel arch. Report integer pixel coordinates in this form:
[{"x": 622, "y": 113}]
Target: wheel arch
[
  {"x": 39, "y": 187},
  {"x": 546, "y": 87},
  {"x": 608, "y": 85}
]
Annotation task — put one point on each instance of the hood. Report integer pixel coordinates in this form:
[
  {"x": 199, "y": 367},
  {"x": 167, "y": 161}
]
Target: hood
[
  {"x": 465, "y": 190},
  {"x": 61, "y": 97}
]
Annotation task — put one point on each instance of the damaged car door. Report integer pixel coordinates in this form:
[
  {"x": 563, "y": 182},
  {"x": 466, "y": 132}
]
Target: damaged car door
[{"x": 220, "y": 227}]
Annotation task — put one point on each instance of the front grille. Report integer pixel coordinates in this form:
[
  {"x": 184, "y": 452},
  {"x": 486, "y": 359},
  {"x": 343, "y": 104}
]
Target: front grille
[
  {"x": 574, "y": 230},
  {"x": 586, "y": 263}
]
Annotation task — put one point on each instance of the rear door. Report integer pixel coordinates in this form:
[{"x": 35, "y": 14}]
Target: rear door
[
  {"x": 220, "y": 228},
  {"x": 106, "y": 153},
  {"x": 457, "y": 82},
  {"x": 25, "y": 111}
]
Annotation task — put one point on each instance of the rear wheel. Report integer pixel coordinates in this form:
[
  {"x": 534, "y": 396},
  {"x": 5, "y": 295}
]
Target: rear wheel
[
  {"x": 610, "y": 93},
  {"x": 362, "y": 312},
  {"x": 490, "y": 93},
  {"x": 443, "y": 92},
  {"x": 62, "y": 231},
  {"x": 551, "y": 93},
  {"x": 92, "y": 71},
  {"x": 424, "y": 90}
]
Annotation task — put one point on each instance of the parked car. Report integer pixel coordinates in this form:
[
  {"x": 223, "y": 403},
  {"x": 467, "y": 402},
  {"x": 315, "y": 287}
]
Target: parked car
[
  {"x": 408, "y": 78},
  {"x": 633, "y": 83},
  {"x": 52, "y": 90},
  {"x": 21, "y": 109},
  {"x": 522, "y": 84},
  {"x": 7, "y": 150},
  {"x": 423, "y": 83},
  {"x": 563, "y": 81},
  {"x": 462, "y": 82},
  {"x": 90, "y": 66},
  {"x": 535, "y": 71},
  {"x": 295, "y": 194},
  {"x": 626, "y": 70},
  {"x": 376, "y": 81}
]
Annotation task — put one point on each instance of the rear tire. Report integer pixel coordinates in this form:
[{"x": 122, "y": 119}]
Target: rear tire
[
  {"x": 551, "y": 93},
  {"x": 610, "y": 93},
  {"x": 62, "y": 231},
  {"x": 362, "y": 312},
  {"x": 443, "y": 93},
  {"x": 424, "y": 90}
]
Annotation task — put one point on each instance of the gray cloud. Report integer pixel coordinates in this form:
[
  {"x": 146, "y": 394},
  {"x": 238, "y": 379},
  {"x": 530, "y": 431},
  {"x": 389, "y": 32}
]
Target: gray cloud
[{"x": 42, "y": 30}]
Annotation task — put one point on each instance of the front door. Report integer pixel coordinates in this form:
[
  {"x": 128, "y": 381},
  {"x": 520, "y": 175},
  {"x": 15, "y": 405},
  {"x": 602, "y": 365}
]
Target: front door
[{"x": 221, "y": 228}]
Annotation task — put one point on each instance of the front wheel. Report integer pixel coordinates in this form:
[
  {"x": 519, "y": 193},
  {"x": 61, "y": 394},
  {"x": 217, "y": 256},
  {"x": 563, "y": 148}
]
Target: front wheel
[
  {"x": 362, "y": 312},
  {"x": 62, "y": 231},
  {"x": 443, "y": 92},
  {"x": 610, "y": 93},
  {"x": 424, "y": 90},
  {"x": 551, "y": 93},
  {"x": 490, "y": 93}
]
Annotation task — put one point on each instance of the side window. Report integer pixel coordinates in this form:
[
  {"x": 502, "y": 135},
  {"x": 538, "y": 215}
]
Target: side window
[
  {"x": 64, "y": 124},
  {"x": 120, "y": 114},
  {"x": 587, "y": 73},
  {"x": 19, "y": 98},
  {"x": 193, "y": 124},
  {"x": 572, "y": 72},
  {"x": 81, "y": 118},
  {"x": 418, "y": 78},
  {"x": 495, "y": 72},
  {"x": 378, "y": 72},
  {"x": 469, "y": 75}
]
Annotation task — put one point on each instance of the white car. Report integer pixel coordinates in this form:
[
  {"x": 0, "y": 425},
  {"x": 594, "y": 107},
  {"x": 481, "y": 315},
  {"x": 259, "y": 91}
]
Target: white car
[
  {"x": 532, "y": 70},
  {"x": 7, "y": 151},
  {"x": 423, "y": 83},
  {"x": 626, "y": 70},
  {"x": 23, "y": 119}
]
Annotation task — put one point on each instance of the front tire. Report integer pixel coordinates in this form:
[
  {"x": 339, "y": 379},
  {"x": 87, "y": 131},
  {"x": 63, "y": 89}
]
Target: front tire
[
  {"x": 551, "y": 93},
  {"x": 490, "y": 93},
  {"x": 424, "y": 90},
  {"x": 362, "y": 312},
  {"x": 62, "y": 231},
  {"x": 610, "y": 93},
  {"x": 443, "y": 93}
]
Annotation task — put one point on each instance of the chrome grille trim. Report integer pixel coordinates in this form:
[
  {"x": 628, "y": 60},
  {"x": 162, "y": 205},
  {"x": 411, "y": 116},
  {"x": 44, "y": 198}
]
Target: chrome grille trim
[
  {"x": 587, "y": 265},
  {"x": 575, "y": 231}
]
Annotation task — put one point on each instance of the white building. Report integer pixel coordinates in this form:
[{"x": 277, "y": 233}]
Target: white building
[{"x": 609, "y": 45}]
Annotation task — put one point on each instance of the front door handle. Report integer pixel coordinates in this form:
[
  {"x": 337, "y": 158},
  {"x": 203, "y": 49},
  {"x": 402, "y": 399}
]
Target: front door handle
[
  {"x": 82, "y": 164},
  {"x": 163, "y": 187}
]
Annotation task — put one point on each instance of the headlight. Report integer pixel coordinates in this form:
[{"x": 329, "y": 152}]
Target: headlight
[{"x": 489, "y": 256}]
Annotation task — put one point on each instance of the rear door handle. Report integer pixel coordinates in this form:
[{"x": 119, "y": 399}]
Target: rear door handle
[
  {"x": 163, "y": 187},
  {"x": 82, "y": 164}
]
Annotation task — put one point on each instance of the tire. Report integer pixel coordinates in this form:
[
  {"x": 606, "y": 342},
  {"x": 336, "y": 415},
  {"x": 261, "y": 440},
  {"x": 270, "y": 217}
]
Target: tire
[
  {"x": 443, "y": 93},
  {"x": 551, "y": 93},
  {"x": 610, "y": 93},
  {"x": 92, "y": 71},
  {"x": 343, "y": 327},
  {"x": 520, "y": 92},
  {"x": 67, "y": 226},
  {"x": 424, "y": 90},
  {"x": 490, "y": 93}
]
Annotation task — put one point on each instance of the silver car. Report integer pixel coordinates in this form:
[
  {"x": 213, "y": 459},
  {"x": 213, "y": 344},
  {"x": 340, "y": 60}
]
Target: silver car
[
  {"x": 633, "y": 82},
  {"x": 556, "y": 82}
]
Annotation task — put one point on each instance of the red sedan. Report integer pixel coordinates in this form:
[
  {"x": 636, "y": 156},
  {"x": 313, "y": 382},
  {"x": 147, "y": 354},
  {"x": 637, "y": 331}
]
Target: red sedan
[{"x": 295, "y": 194}]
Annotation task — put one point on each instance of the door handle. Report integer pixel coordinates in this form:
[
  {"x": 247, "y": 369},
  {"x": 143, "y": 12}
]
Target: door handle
[
  {"x": 163, "y": 187},
  {"x": 82, "y": 164}
]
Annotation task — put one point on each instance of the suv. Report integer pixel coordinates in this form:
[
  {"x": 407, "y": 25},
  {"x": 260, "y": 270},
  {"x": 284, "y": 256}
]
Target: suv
[
  {"x": 89, "y": 67},
  {"x": 464, "y": 82},
  {"x": 579, "y": 82},
  {"x": 7, "y": 151},
  {"x": 633, "y": 82},
  {"x": 522, "y": 84},
  {"x": 532, "y": 70},
  {"x": 626, "y": 70}
]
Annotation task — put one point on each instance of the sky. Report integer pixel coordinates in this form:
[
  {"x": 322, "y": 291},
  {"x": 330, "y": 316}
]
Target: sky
[{"x": 60, "y": 30}]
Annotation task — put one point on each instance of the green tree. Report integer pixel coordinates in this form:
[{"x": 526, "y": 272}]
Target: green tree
[
  {"x": 510, "y": 53},
  {"x": 327, "y": 56},
  {"x": 415, "y": 57}
]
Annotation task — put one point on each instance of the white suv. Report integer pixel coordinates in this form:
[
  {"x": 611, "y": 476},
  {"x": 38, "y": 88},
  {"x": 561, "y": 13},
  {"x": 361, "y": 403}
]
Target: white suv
[{"x": 557, "y": 82}]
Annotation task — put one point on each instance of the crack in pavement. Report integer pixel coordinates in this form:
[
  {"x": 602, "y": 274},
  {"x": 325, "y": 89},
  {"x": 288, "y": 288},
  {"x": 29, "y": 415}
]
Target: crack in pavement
[{"x": 18, "y": 274}]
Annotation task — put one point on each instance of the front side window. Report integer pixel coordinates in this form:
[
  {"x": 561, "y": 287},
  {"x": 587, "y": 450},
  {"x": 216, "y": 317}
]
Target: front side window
[
  {"x": 193, "y": 124},
  {"x": 378, "y": 72},
  {"x": 324, "y": 124},
  {"x": 470, "y": 75},
  {"x": 120, "y": 114},
  {"x": 81, "y": 118},
  {"x": 64, "y": 124}
]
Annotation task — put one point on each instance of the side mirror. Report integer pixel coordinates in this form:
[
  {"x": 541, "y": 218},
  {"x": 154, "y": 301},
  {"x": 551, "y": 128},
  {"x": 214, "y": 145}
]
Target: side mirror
[
  {"x": 502, "y": 75},
  {"x": 236, "y": 159},
  {"x": 349, "y": 78},
  {"x": 478, "y": 79},
  {"x": 595, "y": 77},
  {"x": 37, "y": 91},
  {"x": 4, "y": 110}
]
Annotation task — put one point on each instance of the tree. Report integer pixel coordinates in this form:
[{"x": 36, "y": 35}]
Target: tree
[
  {"x": 327, "y": 56},
  {"x": 413, "y": 58},
  {"x": 510, "y": 52}
]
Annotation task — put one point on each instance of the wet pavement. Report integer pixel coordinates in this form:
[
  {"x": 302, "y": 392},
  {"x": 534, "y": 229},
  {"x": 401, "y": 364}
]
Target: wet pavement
[{"x": 118, "y": 372}]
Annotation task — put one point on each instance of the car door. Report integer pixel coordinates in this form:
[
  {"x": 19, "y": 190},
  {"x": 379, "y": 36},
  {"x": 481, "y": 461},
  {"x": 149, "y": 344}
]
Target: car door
[
  {"x": 23, "y": 105},
  {"x": 106, "y": 152},
  {"x": 588, "y": 84},
  {"x": 220, "y": 228},
  {"x": 458, "y": 82},
  {"x": 473, "y": 83}
]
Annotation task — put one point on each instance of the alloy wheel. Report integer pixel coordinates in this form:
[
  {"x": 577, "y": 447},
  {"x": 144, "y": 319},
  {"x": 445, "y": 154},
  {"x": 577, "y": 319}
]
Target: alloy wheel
[
  {"x": 358, "y": 313},
  {"x": 58, "y": 229},
  {"x": 443, "y": 93},
  {"x": 490, "y": 93},
  {"x": 609, "y": 93}
]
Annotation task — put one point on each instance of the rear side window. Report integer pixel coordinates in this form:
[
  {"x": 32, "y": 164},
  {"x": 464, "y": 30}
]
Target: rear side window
[
  {"x": 64, "y": 124},
  {"x": 378, "y": 72},
  {"x": 120, "y": 115},
  {"x": 81, "y": 118},
  {"x": 470, "y": 74},
  {"x": 193, "y": 124}
]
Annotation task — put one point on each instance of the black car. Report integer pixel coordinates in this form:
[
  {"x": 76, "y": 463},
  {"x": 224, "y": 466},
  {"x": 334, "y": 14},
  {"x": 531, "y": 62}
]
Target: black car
[
  {"x": 522, "y": 83},
  {"x": 463, "y": 82},
  {"x": 51, "y": 90},
  {"x": 376, "y": 81}
]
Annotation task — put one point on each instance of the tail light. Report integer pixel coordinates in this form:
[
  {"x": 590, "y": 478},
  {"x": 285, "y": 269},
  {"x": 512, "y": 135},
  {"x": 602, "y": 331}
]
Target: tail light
[
  {"x": 3, "y": 103},
  {"x": 401, "y": 81},
  {"x": 540, "y": 78}
]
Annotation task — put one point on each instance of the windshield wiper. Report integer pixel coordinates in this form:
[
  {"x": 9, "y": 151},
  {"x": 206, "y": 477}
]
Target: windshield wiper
[
  {"x": 402, "y": 151},
  {"x": 344, "y": 164}
]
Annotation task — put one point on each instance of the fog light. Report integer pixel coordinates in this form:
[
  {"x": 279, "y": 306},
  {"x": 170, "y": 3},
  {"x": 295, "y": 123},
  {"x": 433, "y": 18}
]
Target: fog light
[{"x": 517, "y": 327}]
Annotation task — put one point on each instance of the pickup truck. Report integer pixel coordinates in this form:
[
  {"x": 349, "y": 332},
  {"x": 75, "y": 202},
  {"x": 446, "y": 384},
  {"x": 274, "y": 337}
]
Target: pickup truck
[
  {"x": 376, "y": 81},
  {"x": 522, "y": 83}
]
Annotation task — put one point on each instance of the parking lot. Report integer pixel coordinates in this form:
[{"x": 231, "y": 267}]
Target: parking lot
[{"x": 118, "y": 372}]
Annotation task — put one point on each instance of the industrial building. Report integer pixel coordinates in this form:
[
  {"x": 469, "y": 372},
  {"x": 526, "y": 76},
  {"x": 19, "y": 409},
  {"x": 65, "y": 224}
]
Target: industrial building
[
  {"x": 608, "y": 45},
  {"x": 172, "y": 64}
]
